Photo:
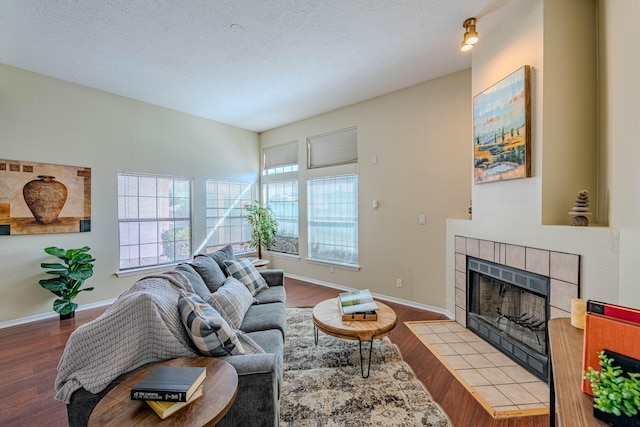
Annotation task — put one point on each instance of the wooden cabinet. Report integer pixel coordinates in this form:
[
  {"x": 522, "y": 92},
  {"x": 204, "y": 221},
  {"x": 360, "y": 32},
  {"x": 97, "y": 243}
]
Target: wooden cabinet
[{"x": 573, "y": 407}]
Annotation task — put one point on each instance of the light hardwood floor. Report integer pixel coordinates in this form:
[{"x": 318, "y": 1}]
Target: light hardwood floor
[{"x": 29, "y": 356}]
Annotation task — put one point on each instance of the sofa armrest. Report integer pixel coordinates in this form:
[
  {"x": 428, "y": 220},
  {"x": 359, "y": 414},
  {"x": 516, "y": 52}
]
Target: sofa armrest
[
  {"x": 274, "y": 276},
  {"x": 258, "y": 389}
]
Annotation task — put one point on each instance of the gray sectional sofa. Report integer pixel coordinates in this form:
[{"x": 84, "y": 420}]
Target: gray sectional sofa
[{"x": 87, "y": 372}]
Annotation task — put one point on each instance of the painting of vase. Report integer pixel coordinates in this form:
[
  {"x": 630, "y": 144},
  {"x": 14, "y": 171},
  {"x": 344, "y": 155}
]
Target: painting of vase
[{"x": 39, "y": 198}]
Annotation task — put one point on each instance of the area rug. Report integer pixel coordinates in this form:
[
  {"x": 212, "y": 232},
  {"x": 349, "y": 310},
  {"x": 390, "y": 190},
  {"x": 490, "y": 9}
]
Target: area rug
[{"x": 323, "y": 385}]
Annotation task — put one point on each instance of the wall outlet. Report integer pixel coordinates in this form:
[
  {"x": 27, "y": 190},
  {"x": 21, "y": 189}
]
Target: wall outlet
[{"x": 398, "y": 283}]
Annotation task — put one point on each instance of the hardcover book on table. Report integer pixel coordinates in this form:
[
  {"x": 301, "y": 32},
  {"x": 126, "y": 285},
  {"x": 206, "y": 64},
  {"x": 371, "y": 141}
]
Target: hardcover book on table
[
  {"x": 164, "y": 409},
  {"x": 169, "y": 384},
  {"x": 357, "y": 305},
  {"x": 603, "y": 332}
]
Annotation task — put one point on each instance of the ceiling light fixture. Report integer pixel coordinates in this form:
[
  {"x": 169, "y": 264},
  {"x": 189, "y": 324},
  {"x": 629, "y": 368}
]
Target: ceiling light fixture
[{"x": 470, "y": 35}]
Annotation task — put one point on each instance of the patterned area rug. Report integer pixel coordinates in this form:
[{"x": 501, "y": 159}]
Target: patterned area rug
[{"x": 323, "y": 385}]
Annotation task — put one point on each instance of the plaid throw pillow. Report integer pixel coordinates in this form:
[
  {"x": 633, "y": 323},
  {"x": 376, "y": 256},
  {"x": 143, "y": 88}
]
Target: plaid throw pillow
[
  {"x": 231, "y": 300},
  {"x": 244, "y": 270},
  {"x": 208, "y": 330}
]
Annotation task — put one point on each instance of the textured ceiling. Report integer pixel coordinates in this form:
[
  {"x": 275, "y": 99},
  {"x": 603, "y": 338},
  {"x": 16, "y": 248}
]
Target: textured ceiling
[{"x": 253, "y": 64}]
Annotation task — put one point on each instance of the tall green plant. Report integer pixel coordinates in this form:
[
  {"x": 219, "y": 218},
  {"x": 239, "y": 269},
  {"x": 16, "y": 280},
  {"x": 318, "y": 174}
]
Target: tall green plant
[
  {"x": 263, "y": 226},
  {"x": 76, "y": 269}
]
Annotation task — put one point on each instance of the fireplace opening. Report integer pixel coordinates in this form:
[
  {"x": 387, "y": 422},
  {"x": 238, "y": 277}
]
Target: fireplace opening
[{"x": 509, "y": 308}]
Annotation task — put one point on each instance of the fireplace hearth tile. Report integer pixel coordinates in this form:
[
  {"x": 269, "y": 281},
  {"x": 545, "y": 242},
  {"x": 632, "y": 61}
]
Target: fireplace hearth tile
[
  {"x": 479, "y": 361},
  {"x": 496, "y": 376},
  {"x": 458, "y": 362},
  {"x": 444, "y": 349},
  {"x": 461, "y": 244},
  {"x": 473, "y": 377},
  {"x": 492, "y": 395},
  {"x": 482, "y": 346},
  {"x": 501, "y": 386},
  {"x": 517, "y": 394},
  {"x": 462, "y": 348},
  {"x": 519, "y": 375}
]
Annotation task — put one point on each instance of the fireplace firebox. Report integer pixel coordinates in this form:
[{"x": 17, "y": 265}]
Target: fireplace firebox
[{"x": 509, "y": 308}]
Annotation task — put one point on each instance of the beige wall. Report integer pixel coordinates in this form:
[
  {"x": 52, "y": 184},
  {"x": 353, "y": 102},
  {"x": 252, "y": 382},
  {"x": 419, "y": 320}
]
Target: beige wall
[
  {"x": 620, "y": 154},
  {"x": 47, "y": 120},
  {"x": 420, "y": 137},
  {"x": 511, "y": 212}
]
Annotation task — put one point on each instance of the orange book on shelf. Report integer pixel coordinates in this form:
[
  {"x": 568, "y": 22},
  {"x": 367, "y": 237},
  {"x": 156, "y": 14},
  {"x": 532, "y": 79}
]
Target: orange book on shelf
[{"x": 607, "y": 333}]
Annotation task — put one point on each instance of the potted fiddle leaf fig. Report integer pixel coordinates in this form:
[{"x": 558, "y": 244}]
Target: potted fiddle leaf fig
[
  {"x": 71, "y": 275},
  {"x": 263, "y": 226}
]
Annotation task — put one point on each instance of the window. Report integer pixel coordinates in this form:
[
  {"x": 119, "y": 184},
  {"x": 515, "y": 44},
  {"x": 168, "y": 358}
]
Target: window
[
  {"x": 280, "y": 159},
  {"x": 154, "y": 220},
  {"x": 332, "y": 197},
  {"x": 282, "y": 198},
  {"x": 225, "y": 214},
  {"x": 333, "y": 219},
  {"x": 280, "y": 193}
]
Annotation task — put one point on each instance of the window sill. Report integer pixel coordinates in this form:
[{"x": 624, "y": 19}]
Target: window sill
[
  {"x": 351, "y": 267},
  {"x": 283, "y": 255}
]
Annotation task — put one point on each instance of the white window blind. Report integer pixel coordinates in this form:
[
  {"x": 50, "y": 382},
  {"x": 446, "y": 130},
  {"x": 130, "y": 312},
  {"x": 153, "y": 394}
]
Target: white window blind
[
  {"x": 281, "y": 155},
  {"x": 331, "y": 149}
]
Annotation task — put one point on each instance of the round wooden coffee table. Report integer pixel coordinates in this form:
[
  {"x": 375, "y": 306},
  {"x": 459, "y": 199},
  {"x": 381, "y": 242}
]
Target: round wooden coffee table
[
  {"x": 219, "y": 392},
  {"x": 328, "y": 319}
]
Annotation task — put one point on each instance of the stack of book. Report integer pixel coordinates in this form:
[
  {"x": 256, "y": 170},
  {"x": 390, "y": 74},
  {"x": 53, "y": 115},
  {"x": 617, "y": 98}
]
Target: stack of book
[
  {"x": 615, "y": 329},
  {"x": 168, "y": 389},
  {"x": 357, "y": 305}
]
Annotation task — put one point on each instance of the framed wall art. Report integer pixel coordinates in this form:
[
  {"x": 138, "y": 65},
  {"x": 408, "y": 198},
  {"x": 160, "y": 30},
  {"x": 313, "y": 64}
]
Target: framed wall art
[
  {"x": 502, "y": 129},
  {"x": 41, "y": 198}
]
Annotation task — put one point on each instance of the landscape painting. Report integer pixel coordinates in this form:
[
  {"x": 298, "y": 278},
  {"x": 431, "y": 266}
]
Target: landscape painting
[
  {"x": 41, "y": 198},
  {"x": 502, "y": 129}
]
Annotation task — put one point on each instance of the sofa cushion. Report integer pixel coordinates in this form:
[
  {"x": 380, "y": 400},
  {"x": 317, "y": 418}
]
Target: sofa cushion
[
  {"x": 272, "y": 294},
  {"x": 261, "y": 317},
  {"x": 231, "y": 300},
  {"x": 222, "y": 255},
  {"x": 244, "y": 270},
  {"x": 210, "y": 271},
  {"x": 194, "y": 278},
  {"x": 208, "y": 330}
]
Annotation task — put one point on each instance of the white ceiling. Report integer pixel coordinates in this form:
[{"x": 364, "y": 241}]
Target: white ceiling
[{"x": 255, "y": 64}]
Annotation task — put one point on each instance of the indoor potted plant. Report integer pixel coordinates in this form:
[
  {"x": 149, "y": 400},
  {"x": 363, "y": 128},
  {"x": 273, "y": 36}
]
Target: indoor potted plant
[
  {"x": 71, "y": 275},
  {"x": 263, "y": 226},
  {"x": 616, "y": 391}
]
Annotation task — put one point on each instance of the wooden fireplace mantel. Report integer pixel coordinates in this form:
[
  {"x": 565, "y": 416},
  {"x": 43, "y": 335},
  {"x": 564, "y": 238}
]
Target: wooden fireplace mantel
[{"x": 572, "y": 406}]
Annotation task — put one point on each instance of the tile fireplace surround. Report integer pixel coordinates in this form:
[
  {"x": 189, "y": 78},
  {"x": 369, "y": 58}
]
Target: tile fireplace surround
[{"x": 563, "y": 270}]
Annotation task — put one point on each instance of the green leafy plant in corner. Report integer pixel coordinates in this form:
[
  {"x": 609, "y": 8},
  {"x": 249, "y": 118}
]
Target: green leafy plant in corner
[
  {"x": 614, "y": 391},
  {"x": 76, "y": 269},
  {"x": 263, "y": 226}
]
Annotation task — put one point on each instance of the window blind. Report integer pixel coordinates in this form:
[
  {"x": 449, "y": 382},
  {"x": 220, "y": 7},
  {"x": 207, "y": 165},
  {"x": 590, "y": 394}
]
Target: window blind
[
  {"x": 335, "y": 148},
  {"x": 281, "y": 155}
]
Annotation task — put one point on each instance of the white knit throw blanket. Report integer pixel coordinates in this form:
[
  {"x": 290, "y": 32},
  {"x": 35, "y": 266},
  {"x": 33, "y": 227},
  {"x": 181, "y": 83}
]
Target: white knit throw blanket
[{"x": 142, "y": 326}]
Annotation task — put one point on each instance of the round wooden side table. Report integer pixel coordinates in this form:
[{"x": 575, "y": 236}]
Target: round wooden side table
[
  {"x": 219, "y": 391},
  {"x": 328, "y": 319}
]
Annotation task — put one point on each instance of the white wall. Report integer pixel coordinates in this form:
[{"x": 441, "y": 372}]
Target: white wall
[
  {"x": 619, "y": 113},
  {"x": 47, "y": 120},
  {"x": 420, "y": 136},
  {"x": 511, "y": 211}
]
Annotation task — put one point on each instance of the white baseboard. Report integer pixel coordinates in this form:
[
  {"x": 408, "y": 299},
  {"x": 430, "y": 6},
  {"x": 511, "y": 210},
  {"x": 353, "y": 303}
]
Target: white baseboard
[
  {"x": 35, "y": 318},
  {"x": 378, "y": 296}
]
